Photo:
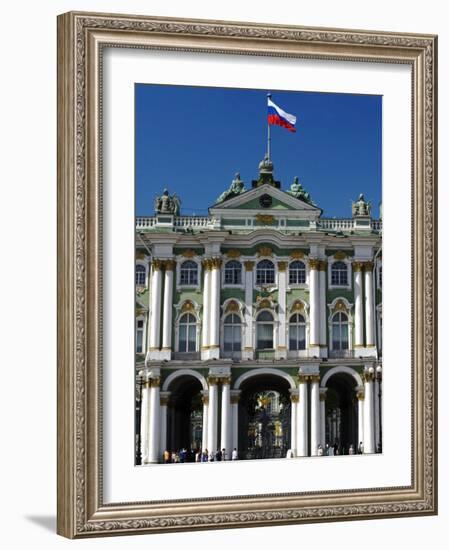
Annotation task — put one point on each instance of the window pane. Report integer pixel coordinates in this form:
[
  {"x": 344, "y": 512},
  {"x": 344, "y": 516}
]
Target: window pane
[
  {"x": 293, "y": 337},
  {"x": 344, "y": 337},
  {"x": 228, "y": 338},
  {"x": 192, "y": 338},
  {"x": 301, "y": 337},
  {"x": 237, "y": 338},
  {"x": 139, "y": 341},
  {"x": 182, "y": 338},
  {"x": 265, "y": 336}
]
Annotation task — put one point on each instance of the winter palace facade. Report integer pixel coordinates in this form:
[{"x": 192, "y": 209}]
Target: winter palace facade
[{"x": 258, "y": 327}]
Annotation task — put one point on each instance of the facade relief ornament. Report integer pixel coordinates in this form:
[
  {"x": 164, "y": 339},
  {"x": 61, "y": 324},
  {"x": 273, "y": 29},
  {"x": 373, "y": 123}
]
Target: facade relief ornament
[
  {"x": 188, "y": 253},
  {"x": 232, "y": 307},
  {"x": 340, "y": 255},
  {"x": 265, "y": 251},
  {"x": 314, "y": 263},
  {"x": 265, "y": 219},
  {"x": 249, "y": 266},
  {"x": 169, "y": 265},
  {"x": 282, "y": 266},
  {"x": 368, "y": 266},
  {"x": 322, "y": 265},
  {"x": 215, "y": 263},
  {"x": 157, "y": 264},
  {"x": 187, "y": 306},
  {"x": 140, "y": 255},
  {"x": 297, "y": 255},
  {"x": 297, "y": 190},
  {"x": 357, "y": 266},
  {"x": 233, "y": 253}
]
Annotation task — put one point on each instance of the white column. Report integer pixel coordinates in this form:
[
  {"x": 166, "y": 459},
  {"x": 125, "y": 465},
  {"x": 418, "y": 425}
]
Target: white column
[
  {"x": 368, "y": 414},
  {"x": 226, "y": 420},
  {"x": 323, "y": 308},
  {"x": 314, "y": 307},
  {"x": 204, "y": 443},
  {"x": 315, "y": 424},
  {"x": 144, "y": 422},
  {"x": 248, "y": 351},
  {"x": 154, "y": 436},
  {"x": 235, "y": 420},
  {"x": 214, "y": 330},
  {"x": 281, "y": 351},
  {"x": 163, "y": 428},
  {"x": 155, "y": 310},
  {"x": 302, "y": 417},
  {"x": 358, "y": 304},
  {"x": 323, "y": 392},
  {"x": 212, "y": 415},
  {"x": 369, "y": 305},
  {"x": 167, "y": 312},
  {"x": 206, "y": 310},
  {"x": 294, "y": 423},
  {"x": 360, "y": 399}
]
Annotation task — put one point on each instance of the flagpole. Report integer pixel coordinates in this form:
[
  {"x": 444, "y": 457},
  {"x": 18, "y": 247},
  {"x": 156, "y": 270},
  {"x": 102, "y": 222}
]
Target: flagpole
[{"x": 268, "y": 134}]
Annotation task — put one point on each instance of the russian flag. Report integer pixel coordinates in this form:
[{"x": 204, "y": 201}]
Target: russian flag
[{"x": 276, "y": 116}]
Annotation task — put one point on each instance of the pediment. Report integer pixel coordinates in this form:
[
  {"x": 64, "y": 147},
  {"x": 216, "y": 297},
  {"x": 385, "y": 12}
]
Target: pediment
[{"x": 250, "y": 201}]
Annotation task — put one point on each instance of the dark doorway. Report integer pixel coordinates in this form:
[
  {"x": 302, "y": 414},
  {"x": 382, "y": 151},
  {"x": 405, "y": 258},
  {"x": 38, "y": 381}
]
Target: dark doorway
[
  {"x": 264, "y": 418},
  {"x": 342, "y": 412},
  {"x": 184, "y": 415}
]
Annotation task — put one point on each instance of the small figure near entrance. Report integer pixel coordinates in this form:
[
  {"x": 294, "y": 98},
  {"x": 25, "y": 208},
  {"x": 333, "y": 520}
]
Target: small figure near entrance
[
  {"x": 218, "y": 456},
  {"x": 360, "y": 448},
  {"x": 320, "y": 450},
  {"x": 351, "y": 449},
  {"x": 235, "y": 455},
  {"x": 205, "y": 456},
  {"x": 290, "y": 454},
  {"x": 167, "y": 456}
]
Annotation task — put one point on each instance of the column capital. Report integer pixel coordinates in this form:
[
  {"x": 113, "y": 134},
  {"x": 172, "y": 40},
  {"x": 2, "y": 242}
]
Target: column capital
[
  {"x": 212, "y": 380},
  {"x": 294, "y": 398},
  {"x": 226, "y": 380},
  {"x": 206, "y": 263},
  {"x": 360, "y": 395},
  {"x": 322, "y": 265},
  {"x": 154, "y": 382},
  {"x": 157, "y": 264},
  {"x": 314, "y": 263},
  {"x": 169, "y": 265},
  {"x": 215, "y": 263},
  {"x": 368, "y": 266},
  {"x": 235, "y": 398},
  {"x": 357, "y": 266},
  {"x": 282, "y": 266},
  {"x": 205, "y": 399},
  {"x": 249, "y": 266}
]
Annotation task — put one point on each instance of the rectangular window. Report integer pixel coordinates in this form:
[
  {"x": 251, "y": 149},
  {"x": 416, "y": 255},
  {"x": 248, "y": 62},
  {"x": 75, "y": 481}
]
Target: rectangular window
[
  {"x": 182, "y": 338},
  {"x": 233, "y": 277},
  {"x": 265, "y": 336},
  {"x": 139, "y": 337}
]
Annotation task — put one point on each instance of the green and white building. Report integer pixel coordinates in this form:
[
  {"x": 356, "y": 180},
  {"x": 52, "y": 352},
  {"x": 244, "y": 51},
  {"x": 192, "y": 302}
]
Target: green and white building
[{"x": 259, "y": 326}]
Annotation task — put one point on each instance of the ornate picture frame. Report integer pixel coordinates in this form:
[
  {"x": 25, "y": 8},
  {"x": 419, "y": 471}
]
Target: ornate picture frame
[{"x": 82, "y": 39}]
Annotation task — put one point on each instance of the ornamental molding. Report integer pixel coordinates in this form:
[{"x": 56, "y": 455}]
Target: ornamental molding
[
  {"x": 297, "y": 255},
  {"x": 340, "y": 255},
  {"x": 265, "y": 251},
  {"x": 188, "y": 253},
  {"x": 233, "y": 253},
  {"x": 265, "y": 219},
  {"x": 388, "y": 503}
]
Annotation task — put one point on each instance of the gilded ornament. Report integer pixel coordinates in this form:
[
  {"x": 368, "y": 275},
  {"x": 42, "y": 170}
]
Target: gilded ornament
[
  {"x": 249, "y": 266},
  {"x": 215, "y": 263},
  {"x": 188, "y": 253},
  {"x": 265, "y": 219},
  {"x": 368, "y": 266},
  {"x": 314, "y": 263},
  {"x": 232, "y": 307},
  {"x": 140, "y": 255},
  {"x": 187, "y": 306},
  {"x": 205, "y": 400},
  {"x": 265, "y": 251},
  {"x": 297, "y": 306},
  {"x": 233, "y": 253},
  {"x": 206, "y": 263},
  {"x": 212, "y": 380},
  {"x": 297, "y": 254},
  {"x": 170, "y": 265},
  {"x": 322, "y": 265},
  {"x": 282, "y": 266},
  {"x": 340, "y": 255},
  {"x": 294, "y": 398},
  {"x": 357, "y": 266},
  {"x": 157, "y": 264}
]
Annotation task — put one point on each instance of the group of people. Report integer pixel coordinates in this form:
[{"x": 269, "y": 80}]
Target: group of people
[
  {"x": 198, "y": 455},
  {"x": 336, "y": 449}
]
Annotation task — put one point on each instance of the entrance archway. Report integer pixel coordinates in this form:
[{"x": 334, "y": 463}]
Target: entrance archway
[
  {"x": 264, "y": 417},
  {"x": 341, "y": 412},
  {"x": 185, "y": 415}
]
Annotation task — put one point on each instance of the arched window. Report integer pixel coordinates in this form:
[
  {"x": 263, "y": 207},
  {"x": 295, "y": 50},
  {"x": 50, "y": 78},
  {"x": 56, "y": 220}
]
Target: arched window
[
  {"x": 339, "y": 274},
  {"x": 189, "y": 273},
  {"x": 139, "y": 335},
  {"x": 297, "y": 332},
  {"x": 340, "y": 331},
  {"x": 232, "y": 333},
  {"x": 140, "y": 275},
  {"x": 187, "y": 333},
  {"x": 233, "y": 273},
  {"x": 265, "y": 273},
  {"x": 297, "y": 273},
  {"x": 264, "y": 330}
]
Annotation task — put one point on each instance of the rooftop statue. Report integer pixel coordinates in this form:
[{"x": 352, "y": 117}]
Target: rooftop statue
[
  {"x": 298, "y": 191},
  {"x": 237, "y": 187},
  {"x": 166, "y": 204},
  {"x": 361, "y": 207}
]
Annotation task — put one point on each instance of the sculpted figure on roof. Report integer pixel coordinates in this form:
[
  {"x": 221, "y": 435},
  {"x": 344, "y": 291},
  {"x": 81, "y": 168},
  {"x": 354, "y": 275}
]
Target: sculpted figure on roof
[
  {"x": 361, "y": 207},
  {"x": 166, "y": 204},
  {"x": 237, "y": 187}
]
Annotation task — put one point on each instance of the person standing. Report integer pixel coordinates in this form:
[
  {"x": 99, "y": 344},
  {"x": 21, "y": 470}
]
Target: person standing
[
  {"x": 234, "y": 454},
  {"x": 360, "y": 448}
]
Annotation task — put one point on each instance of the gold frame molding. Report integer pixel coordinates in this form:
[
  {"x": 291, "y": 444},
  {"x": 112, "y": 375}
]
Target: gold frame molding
[{"x": 81, "y": 38}]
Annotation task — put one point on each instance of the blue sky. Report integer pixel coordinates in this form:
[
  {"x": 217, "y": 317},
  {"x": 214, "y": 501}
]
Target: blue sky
[{"x": 192, "y": 140}]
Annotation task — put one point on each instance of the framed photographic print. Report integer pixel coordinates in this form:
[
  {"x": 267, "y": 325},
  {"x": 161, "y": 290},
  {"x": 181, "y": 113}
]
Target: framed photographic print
[{"x": 247, "y": 274}]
